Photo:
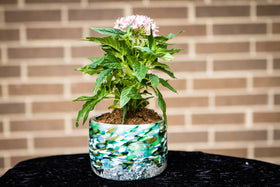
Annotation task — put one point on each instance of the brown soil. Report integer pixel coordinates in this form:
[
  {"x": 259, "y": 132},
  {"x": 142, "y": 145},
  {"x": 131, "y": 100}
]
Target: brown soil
[{"x": 143, "y": 116}]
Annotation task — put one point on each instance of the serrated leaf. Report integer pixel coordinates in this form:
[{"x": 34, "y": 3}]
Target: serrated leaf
[
  {"x": 108, "y": 31},
  {"x": 101, "y": 77},
  {"x": 154, "y": 80},
  {"x": 96, "y": 61},
  {"x": 140, "y": 70},
  {"x": 167, "y": 85},
  {"x": 125, "y": 96}
]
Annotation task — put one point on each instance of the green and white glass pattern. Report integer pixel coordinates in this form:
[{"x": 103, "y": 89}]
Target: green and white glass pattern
[{"x": 128, "y": 152}]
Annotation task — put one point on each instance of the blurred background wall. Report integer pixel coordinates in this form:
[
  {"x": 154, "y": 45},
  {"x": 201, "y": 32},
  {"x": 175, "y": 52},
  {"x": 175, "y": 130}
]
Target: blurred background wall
[{"x": 228, "y": 77}]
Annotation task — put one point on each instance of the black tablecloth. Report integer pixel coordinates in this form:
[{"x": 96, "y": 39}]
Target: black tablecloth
[{"x": 184, "y": 169}]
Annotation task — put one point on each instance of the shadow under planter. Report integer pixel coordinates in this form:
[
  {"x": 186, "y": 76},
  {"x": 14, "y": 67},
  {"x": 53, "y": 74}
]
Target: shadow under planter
[{"x": 127, "y": 152}]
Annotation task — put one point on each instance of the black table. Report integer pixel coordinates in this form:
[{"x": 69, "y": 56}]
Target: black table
[{"x": 184, "y": 169}]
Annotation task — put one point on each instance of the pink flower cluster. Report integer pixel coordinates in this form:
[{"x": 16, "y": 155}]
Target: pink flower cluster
[{"x": 141, "y": 24}]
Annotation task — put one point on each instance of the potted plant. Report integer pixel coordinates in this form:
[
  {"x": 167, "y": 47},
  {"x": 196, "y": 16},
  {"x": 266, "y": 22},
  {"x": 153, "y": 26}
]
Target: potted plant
[{"x": 126, "y": 144}]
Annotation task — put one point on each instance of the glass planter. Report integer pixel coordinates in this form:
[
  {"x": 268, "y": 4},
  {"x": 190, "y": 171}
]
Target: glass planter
[{"x": 127, "y": 152}]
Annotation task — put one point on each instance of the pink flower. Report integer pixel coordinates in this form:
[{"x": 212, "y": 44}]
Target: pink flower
[{"x": 140, "y": 24}]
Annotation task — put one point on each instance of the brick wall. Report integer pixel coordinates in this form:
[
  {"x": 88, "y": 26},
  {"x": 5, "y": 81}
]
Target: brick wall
[{"x": 228, "y": 99}]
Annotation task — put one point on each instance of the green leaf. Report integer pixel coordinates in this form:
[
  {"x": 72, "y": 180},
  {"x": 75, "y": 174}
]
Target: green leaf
[
  {"x": 165, "y": 71},
  {"x": 108, "y": 31},
  {"x": 171, "y": 35},
  {"x": 96, "y": 61},
  {"x": 84, "y": 98},
  {"x": 161, "y": 104},
  {"x": 89, "y": 70},
  {"x": 109, "y": 40},
  {"x": 140, "y": 70},
  {"x": 154, "y": 80},
  {"x": 113, "y": 65},
  {"x": 167, "y": 85},
  {"x": 124, "y": 113},
  {"x": 89, "y": 106},
  {"x": 145, "y": 49},
  {"x": 167, "y": 57},
  {"x": 125, "y": 96},
  {"x": 101, "y": 77},
  {"x": 161, "y": 65}
]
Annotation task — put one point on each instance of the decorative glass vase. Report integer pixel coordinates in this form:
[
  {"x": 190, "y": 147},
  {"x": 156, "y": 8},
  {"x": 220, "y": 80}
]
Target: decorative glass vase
[{"x": 127, "y": 152}]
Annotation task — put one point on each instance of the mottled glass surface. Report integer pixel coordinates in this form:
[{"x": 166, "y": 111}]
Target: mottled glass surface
[{"x": 128, "y": 152}]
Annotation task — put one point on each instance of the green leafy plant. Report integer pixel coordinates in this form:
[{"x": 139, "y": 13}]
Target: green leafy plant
[{"x": 127, "y": 69}]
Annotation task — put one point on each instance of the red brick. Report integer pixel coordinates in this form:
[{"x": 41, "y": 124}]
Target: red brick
[
  {"x": 185, "y": 102},
  {"x": 188, "y": 66},
  {"x": 222, "y": 47},
  {"x": 238, "y": 29},
  {"x": 245, "y": 100},
  {"x": 277, "y": 99},
  {"x": 55, "y": 70},
  {"x": 276, "y": 64},
  {"x": 55, "y": 107},
  {"x": 170, "y": 12},
  {"x": 236, "y": 136},
  {"x": 1, "y": 127},
  {"x": 9, "y": 34},
  {"x": 237, "y": 152},
  {"x": 276, "y": 134},
  {"x": 52, "y": 1},
  {"x": 276, "y": 28},
  {"x": 190, "y": 137},
  {"x": 62, "y": 142},
  {"x": 176, "y": 120},
  {"x": 86, "y": 52},
  {"x": 268, "y": 46},
  {"x": 212, "y": 84},
  {"x": 268, "y": 10},
  {"x": 1, "y": 163},
  {"x": 12, "y": 108},
  {"x": 4, "y": 2},
  {"x": 222, "y": 11},
  {"x": 54, "y": 33},
  {"x": 266, "y": 82},
  {"x": 267, "y": 152},
  {"x": 39, "y": 52},
  {"x": 266, "y": 117},
  {"x": 82, "y": 88},
  {"x": 232, "y": 65},
  {"x": 94, "y": 14},
  {"x": 36, "y": 89},
  {"x": 8, "y": 144},
  {"x": 32, "y": 15},
  {"x": 190, "y": 30},
  {"x": 9, "y": 71},
  {"x": 36, "y": 125},
  {"x": 218, "y": 118}
]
